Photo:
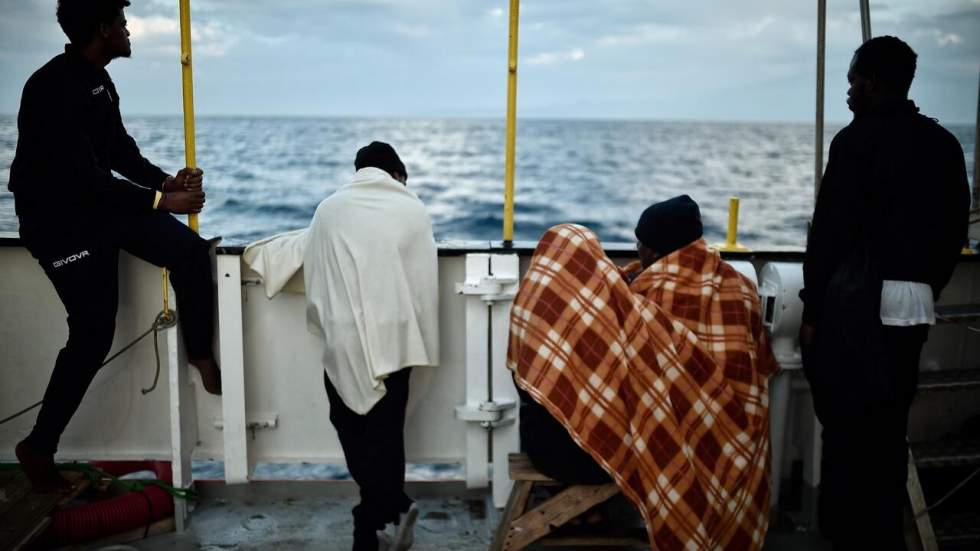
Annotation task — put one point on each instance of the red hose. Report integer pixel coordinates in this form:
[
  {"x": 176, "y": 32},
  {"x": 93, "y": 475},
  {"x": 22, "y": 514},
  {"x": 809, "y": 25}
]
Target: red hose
[{"x": 118, "y": 514}]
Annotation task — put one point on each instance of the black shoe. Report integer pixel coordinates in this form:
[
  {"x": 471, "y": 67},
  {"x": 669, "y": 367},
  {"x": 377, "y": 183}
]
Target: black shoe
[{"x": 365, "y": 540}]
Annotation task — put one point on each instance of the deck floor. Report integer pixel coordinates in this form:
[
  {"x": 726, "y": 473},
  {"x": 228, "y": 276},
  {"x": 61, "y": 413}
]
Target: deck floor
[
  {"x": 316, "y": 523},
  {"x": 324, "y": 523}
]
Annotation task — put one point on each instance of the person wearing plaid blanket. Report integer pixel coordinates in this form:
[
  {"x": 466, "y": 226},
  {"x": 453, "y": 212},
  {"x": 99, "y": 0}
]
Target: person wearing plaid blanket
[
  {"x": 658, "y": 371},
  {"x": 889, "y": 223}
]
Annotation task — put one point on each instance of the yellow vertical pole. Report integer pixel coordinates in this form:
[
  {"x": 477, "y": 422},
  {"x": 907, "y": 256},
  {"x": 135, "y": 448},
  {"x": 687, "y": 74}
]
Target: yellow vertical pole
[
  {"x": 732, "y": 236},
  {"x": 166, "y": 292},
  {"x": 511, "y": 125},
  {"x": 190, "y": 157},
  {"x": 731, "y": 243},
  {"x": 187, "y": 77}
]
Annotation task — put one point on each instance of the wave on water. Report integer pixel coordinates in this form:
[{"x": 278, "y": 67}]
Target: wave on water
[{"x": 267, "y": 175}]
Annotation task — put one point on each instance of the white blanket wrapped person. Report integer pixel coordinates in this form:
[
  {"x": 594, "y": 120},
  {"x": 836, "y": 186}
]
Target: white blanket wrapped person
[{"x": 371, "y": 277}]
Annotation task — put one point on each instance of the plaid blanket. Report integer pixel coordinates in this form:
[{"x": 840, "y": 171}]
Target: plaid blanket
[{"x": 662, "y": 380}]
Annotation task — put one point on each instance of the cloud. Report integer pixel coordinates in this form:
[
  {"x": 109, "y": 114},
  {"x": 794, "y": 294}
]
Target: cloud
[
  {"x": 141, "y": 28},
  {"x": 746, "y": 59},
  {"x": 410, "y": 31},
  {"x": 157, "y": 34},
  {"x": 550, "y": 58},
  {"x": 944, "y": 39},
  {"x": 647, "y": 33},
  {"x": 752, "y": 29}
]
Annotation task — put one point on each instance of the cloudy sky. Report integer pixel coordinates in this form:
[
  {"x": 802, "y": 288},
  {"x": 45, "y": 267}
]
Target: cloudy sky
[{"x": 676, "y": 59}]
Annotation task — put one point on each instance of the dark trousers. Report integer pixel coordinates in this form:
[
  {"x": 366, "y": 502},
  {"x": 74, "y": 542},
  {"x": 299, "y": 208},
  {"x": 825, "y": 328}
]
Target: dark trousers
[
  {"x": 82, "y": 263},
  {"x": 374, "y": 446},
  {"x": 551, "y": 449},
  {"x": 865, "y": 450}
]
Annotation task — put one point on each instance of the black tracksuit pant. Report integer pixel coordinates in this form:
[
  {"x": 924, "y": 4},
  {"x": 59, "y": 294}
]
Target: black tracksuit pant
[
  {"x": 551, "y": 449},
  {"x": 374, "y": 446},
  {"x": 82, "y": 263},
  {"x": 865, "y": 450}
]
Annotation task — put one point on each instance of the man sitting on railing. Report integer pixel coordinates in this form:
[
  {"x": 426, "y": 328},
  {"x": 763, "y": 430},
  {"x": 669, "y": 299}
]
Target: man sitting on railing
[
  {"x": 659, "y": 372},
  {"x": 75, "y": 216},
  {"x": 372, "y": 280}
]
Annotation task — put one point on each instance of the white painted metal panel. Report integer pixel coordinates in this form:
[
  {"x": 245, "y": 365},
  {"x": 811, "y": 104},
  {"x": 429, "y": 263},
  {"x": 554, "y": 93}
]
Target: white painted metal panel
[
  {"x": 477, "y": 375},
  {"x": 114, "y": 420},
  {"x": 183, "y": 421},
  {"x": 283, "y": 377},
  {"x": 505, "y": 436},
  {"x": 284, "y": 380},
  {"x": 232, "y": 358}
]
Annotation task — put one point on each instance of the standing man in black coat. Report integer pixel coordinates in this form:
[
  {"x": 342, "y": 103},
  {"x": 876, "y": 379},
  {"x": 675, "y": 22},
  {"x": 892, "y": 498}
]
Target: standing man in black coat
[
  {"x": 890, "y": 221},
  {"x": 75, "y": 215}
]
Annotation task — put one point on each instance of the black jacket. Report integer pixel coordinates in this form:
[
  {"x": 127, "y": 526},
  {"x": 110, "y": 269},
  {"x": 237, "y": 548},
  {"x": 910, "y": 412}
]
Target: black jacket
[
  {"x": 898, "y": 178},
  {"x": 70, "y": 139}
]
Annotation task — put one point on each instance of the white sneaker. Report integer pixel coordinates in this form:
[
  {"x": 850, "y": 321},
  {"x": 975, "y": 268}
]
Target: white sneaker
[
  {"x": 405, "y": 531},
  {"x": 385, "y": 539}
]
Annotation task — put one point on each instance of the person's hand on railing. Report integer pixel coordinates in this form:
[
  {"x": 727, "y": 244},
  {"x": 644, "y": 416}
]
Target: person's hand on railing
[
  {"x": 182, "y": 202},
  {"x": 187, "y": 179}
]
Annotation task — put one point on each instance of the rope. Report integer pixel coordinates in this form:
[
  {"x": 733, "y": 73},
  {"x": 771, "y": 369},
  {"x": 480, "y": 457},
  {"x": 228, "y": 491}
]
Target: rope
[
  {"x": 94, "y": 475},
  {"x": 948, "y": 494},
  {"x": 164, "y": 320}
]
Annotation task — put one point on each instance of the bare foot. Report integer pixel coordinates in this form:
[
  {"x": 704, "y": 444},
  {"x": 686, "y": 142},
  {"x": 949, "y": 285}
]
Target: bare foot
[
  {"x": 210, "y": 375},
  {"x": 40, "y": 470}
]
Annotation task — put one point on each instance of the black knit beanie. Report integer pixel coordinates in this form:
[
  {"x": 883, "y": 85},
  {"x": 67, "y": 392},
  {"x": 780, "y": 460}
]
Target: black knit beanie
[
  {"x": 379, "y": 155},
  {"x": 670, "y": 225}
]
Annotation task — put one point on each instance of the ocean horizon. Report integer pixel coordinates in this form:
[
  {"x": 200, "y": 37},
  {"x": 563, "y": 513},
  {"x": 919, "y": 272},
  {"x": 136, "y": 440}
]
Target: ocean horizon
[{"x": 267, "y": 174}]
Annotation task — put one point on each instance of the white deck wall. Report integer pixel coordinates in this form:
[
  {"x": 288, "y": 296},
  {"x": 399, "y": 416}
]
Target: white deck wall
[{"x": 283, "y": 378}]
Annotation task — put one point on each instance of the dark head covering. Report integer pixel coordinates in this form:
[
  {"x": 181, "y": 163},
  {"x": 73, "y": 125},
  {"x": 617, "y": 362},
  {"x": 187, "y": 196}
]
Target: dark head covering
[
  {"x": 670, "y": 225},
  {"x": 379, "y": 155}
]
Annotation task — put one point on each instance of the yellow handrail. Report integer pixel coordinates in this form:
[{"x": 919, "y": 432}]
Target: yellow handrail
[
  {"x": 188, "y": 80},
  {"x": 511, "y": 125},
  {"x": 190, "y": 157}
]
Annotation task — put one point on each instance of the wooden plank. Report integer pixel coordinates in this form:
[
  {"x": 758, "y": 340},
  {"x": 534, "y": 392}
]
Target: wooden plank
[
  {"x": 521, "y": 469},
  {"x": 947, "y": 453},
  {"x": 949, "y": 379},
  {"x": 585, "y": 541},
  {"x": 957, "y": 313},
  {"x": 918, "y": 501},
  {"x": 519, "y": 494},
  {"x": 555, "y": 512},
  {"x": 20, "y": 524},
  {"x": 32, "y": 534},
  {"x": 13, "y": 487}
]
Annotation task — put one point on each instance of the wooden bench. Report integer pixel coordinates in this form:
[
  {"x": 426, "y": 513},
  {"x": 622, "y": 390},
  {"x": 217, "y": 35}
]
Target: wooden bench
[
  {"x": 25, "y": 513},
  {"x": 520, "y": 526}
]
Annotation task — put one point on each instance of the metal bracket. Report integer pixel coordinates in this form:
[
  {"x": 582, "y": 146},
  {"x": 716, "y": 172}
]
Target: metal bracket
[
  {"x": 264, "y": 421},
  {"x": 488, "y": 414},
  {"x": 489, "y": 288}
]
